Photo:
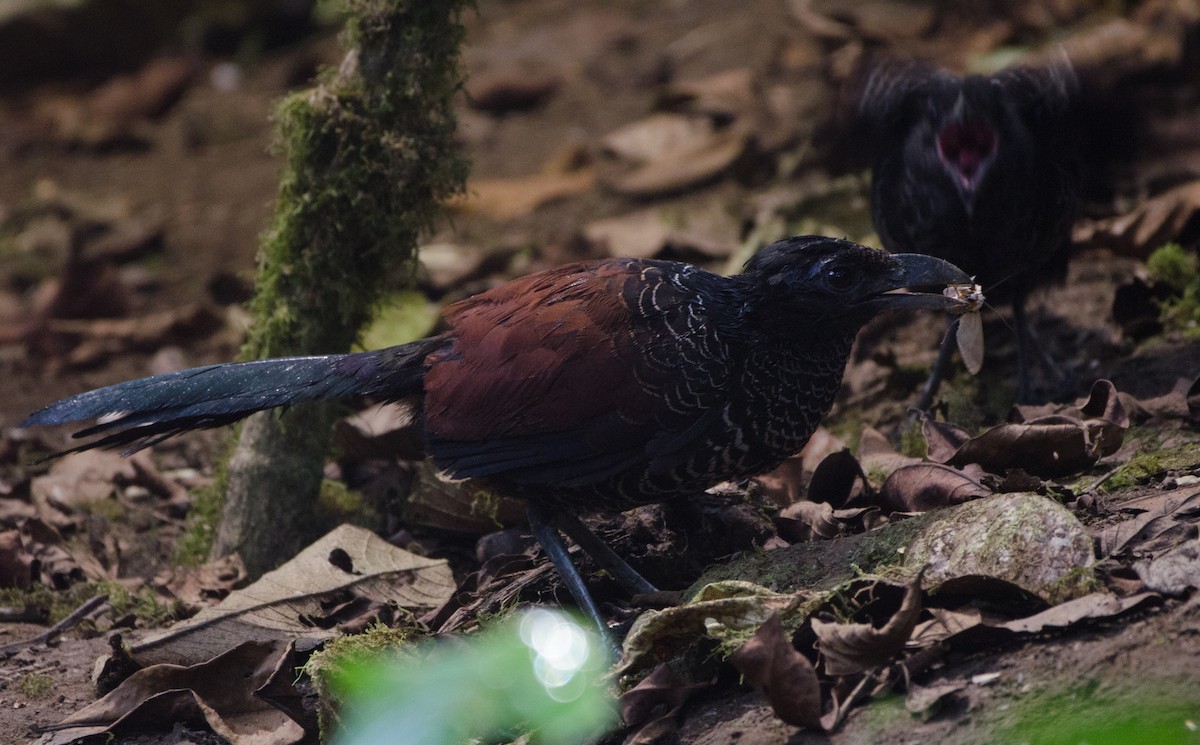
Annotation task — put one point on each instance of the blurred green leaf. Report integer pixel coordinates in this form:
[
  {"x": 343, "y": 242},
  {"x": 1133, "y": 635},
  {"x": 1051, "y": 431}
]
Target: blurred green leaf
[
  {"x": 538, "y": 673},
  {"x": 403, "y": 317}
]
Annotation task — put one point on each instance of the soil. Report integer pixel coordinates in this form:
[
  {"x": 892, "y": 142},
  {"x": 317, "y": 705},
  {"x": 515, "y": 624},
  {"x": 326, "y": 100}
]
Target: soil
[{"x": 206, "y": 168}]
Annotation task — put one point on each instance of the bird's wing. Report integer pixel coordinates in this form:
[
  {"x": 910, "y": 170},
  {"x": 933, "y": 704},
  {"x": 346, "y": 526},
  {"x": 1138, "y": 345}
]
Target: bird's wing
[
  {"x": 1044, "y": 91},
  {"x": 891, "y": 87},
  {"x": 575, "y": 374}
]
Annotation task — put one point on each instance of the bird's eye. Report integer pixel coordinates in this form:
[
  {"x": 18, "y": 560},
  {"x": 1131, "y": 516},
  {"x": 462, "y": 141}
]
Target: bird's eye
[{"x": 839, "y": 278}]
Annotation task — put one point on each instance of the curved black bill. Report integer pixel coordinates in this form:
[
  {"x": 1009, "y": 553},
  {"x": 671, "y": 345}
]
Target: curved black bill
[{"x": 917, "y": 281}]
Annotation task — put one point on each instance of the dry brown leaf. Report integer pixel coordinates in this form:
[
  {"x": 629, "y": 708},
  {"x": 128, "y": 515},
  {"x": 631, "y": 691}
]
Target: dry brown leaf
[
  {"x": 1173, "y": 573},
  {"x": 1162, "y": 516},
  {"x": 729, "y": 94},
  {"x": 1193, "y": 401},
  {"x": 807, "y": 521},
  {"x": 1095, "y": 605},
  {"x": 711, "y": 230},
  {"x": 970, "y": 625},
  {"x": 877, "y": 456},
  {"x": 457, "y": 506},
  {"x": 787, "y": 483},
  {"x": 942, "y": 439},
  {"x": 105, "y": 337},
  {"x": 202, "y": 586},
  {"x": 1123, "y": 47},
  {"x": 1155, "y": 221},
  {"x": 653, "y": 705},
  {"x": 290, "y": 693},
  {"x": 945, "y": 624},
  {"x": 669, "y": 153},
  {"x": 926, "y": 486},
  {"x": 658, "y": 136},
  {"x": 509, "y": 198},
  {"x": 772, "y": 665},
  {"x": 292, "y": 601},
  {"x": 683, "y": 169},
  {"x": 927, "y": 702},
  {"x": 119, "y": 109},
  {"x": 77, "y": 480},
  {"x": 1048, "y": 446},
  {"x": 219, "y": 692},
  {"x": 850, "y": 648},
  {"x": 448, "y": 265},
  {"x": 511, "y": 90},
  {"x": 837, "y": 479},
  {"x": 721, "y": 611}
]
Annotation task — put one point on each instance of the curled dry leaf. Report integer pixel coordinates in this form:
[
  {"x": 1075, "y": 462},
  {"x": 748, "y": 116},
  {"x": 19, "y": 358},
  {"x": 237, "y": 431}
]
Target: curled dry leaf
[
  {"x": 727, "y": 94},
  {"x": 1193, "y": 401},
  {"x": 457, "y": 506},
  {"x": 927, "y": 701},
  {"x": 511, "y": 90},
  {"x": 510, "y": 198},
  {"x": 877, "y": 457},
  {"x": 1047, "y": 446},
  {"x": 1173, "y": 573},
  {"x": 219, "y": 692},
  {"x": 850, "y": 648},
  {"x": 652, "y": 706},
  {"x": 198, "y": 587},
  {"x": 668, "y": 153},
  {"x": 969, "y": 625},
  {"x": 772, "y": 665},
  {"x": 34, "y": 557},
  {"x": 1152, "y": 223},
  {"x": 1093, "y": 606},
  {"x": 787, "y": 483},
  {"x": 1163, "y": 520},
  {"x": 710, "y": 230},
  {"x": 77, "y": 480},
  {"x": 879, "y": 20},
  {"x": 837, "y": 479},
  {"x": 722, "y": 611},
  {"x": 294, "y": 601},
  {"x": 926, "y": 486},
  {"x": 120, "y": 109},
  {"x": 807, "y": 521}
]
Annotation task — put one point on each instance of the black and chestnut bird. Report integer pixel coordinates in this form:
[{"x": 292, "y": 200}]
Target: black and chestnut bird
[
  {"x": 590, "y": 387},
  {"x": 979, "y": 171}
]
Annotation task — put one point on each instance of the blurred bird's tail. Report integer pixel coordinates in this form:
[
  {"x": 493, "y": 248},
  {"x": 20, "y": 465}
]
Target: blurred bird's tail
[{"x": 140, "y": 413}]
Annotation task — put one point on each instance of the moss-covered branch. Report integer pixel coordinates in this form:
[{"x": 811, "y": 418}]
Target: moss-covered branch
[{"x": 369, "y": 159}]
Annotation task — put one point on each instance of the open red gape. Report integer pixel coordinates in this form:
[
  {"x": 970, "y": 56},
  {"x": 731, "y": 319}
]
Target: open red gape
[{"x": 965, "y": 147}]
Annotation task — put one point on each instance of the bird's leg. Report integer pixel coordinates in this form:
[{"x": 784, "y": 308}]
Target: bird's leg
[
  {"x": 1029, "y": 353},
  {"x": 602, "y": 554},
  {"x": 552, "y": 543},
  {"x": 941, "y": 368}
]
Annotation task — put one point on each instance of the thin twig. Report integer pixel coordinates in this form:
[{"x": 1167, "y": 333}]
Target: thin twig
[
  {"x": 48, "y": 636},
  {"x": 843, "y": 708}
]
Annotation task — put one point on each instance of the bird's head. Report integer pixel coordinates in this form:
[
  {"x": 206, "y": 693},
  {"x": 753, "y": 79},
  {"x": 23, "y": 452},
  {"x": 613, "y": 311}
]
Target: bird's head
[
  {"x": 967, "y": 141},
  {"x": 838, "y": 281},
  {"x": 968, "y": 124}
]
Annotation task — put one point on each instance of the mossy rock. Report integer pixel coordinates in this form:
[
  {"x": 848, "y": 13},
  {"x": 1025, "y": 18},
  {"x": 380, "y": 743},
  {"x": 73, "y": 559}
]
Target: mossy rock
[{"x": 1022, "y": 538}]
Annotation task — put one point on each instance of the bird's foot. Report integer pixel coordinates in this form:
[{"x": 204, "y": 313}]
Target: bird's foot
[
  {"x": 1039, "y": 377},
  {"x": 940, "y": 371}
]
